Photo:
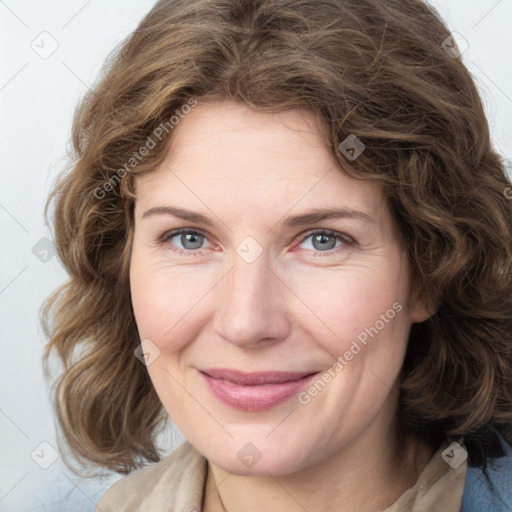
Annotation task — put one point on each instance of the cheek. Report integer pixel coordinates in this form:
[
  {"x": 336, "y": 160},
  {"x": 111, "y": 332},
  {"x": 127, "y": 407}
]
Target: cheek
[
  {"x": 173, "y": 303},
  {"x": 365, "y": 306},
  {"x": 166, "y": 301}
]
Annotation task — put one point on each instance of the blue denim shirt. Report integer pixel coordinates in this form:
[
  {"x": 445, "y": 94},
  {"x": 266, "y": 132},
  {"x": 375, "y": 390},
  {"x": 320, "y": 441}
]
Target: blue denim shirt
[{"x": 478, "y": 493}]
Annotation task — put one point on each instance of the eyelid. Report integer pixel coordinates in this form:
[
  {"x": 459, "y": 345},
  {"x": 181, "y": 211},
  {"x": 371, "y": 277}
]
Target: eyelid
[
  {"x": 163, "y": 241},
  {"x": 348, "y": 240},
  {"x": 169, "y": 234}
]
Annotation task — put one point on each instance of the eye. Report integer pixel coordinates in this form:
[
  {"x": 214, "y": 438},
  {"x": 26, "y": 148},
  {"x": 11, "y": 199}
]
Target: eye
[
  {"x": 189, "y": 242},
  {"x": 325, "y": 241},
  {"x": 184, "y": 241}
]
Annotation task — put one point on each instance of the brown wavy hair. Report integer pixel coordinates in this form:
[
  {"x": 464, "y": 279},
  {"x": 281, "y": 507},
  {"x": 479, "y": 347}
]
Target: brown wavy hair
[{"x": 371, "y": 68}]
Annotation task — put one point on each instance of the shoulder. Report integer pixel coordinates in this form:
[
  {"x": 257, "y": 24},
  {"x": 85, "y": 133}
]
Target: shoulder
[
  {"x": 490, "y": 490},
  {"x": 174, "y": 483}
]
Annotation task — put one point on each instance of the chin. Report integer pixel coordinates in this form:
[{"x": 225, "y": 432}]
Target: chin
[{"x": 258, "y": 458}]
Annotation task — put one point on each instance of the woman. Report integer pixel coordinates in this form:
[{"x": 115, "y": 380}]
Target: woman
[{"x": 286, "y": 230}]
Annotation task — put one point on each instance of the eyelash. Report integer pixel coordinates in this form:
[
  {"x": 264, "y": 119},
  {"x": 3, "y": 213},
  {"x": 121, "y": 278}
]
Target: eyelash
[{"x": 347, "y": 241}]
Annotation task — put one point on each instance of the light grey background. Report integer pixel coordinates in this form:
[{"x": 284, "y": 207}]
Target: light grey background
[{"x": 38, "y": 94}]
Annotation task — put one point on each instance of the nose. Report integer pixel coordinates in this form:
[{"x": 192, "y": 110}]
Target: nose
[{"x": 251, "y": 308}]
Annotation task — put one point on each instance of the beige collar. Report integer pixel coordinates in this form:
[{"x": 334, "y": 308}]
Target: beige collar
[{"x": 439, "y": 487}]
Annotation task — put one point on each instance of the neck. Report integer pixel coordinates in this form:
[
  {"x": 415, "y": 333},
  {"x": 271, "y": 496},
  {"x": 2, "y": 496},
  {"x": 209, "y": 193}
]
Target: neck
[{"x": 368, "y": 475}]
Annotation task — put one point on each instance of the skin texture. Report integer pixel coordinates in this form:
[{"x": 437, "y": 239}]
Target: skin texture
[{"x": 297, "y": 307}]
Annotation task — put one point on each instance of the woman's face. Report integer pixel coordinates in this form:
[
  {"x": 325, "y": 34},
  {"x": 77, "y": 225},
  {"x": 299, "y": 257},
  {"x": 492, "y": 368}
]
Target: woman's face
[{"x": 260, "y": 280}]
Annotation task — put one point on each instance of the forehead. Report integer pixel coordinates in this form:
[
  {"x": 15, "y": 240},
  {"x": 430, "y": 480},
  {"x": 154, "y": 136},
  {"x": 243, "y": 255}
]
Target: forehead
[
  {"x": 234, "y": 139},
  {"x": 226, "y": 151}
]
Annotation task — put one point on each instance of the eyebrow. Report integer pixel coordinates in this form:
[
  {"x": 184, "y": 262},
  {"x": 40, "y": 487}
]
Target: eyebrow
[{"x": 310, "y": 217}]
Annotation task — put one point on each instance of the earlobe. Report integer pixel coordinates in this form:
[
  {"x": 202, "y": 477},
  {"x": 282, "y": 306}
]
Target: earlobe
[{"x": 421, "y": 309}]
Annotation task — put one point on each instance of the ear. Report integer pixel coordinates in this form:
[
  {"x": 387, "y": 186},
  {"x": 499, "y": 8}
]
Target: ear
[{"x": 421, "y": 309}]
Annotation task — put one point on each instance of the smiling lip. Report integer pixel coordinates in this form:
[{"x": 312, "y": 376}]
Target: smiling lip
[{"x": 254, "y": 391}]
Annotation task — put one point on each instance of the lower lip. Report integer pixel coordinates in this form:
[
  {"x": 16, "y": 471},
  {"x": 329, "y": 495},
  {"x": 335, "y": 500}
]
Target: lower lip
[{"x": 255, "y": 398}]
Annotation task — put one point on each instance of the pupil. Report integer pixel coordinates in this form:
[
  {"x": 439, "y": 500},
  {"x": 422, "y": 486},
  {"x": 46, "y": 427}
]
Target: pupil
[
  {"x": 193, "y": 239},
  {"x": 322, "y": 239}
]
